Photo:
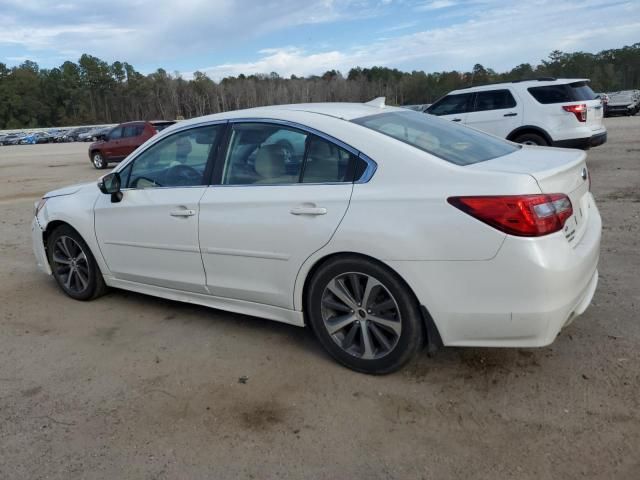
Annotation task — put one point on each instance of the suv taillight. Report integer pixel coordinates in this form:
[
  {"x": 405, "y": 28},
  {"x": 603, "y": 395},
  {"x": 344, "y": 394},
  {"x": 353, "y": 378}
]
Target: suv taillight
[
  {"x": 520, "y": 215},
  {"x": 580, "y": 111}
]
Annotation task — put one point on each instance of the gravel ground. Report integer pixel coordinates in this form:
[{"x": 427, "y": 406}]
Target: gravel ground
[{"x": 131, "y": 386}]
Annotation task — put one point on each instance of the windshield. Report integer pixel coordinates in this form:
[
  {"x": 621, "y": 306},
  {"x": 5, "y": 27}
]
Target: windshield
[{"x": 446, "y": 140}]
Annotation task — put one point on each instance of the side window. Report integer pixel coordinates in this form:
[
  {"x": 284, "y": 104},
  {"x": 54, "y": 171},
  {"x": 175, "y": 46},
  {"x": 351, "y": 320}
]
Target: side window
[
  {"x": 132, "y": 131},
  {"x": 494, "y": 100},
  {"x": 263, "y": 154},
  {"x": 326, "y": 163},
  {"x": 115, "y": 134},
  {"x": 176, "y": 161},
  {"x": 451, "y": 104}
]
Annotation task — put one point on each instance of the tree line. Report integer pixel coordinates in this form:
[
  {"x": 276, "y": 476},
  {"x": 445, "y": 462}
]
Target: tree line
[{"x": 93, "y": 91}]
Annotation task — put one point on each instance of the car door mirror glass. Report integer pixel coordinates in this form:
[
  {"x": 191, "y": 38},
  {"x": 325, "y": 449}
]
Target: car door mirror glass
[{"x": 110, "y": 183}]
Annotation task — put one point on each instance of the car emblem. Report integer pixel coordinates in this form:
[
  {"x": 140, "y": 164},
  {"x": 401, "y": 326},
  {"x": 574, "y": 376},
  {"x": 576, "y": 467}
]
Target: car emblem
[{"x": 584, "y": 174}]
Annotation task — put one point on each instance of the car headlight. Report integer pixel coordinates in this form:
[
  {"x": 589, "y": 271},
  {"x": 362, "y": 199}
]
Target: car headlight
[{"x": 38, "y": 206}]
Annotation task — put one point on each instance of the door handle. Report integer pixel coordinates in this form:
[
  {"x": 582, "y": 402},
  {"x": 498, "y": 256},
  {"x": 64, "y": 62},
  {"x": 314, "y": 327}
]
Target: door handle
[
  {"x": 456, "y": 120},
  {"x": 308, "y": 211},
  {"x": 512, "y": 114},
  {"x": 182, "y": 212}
]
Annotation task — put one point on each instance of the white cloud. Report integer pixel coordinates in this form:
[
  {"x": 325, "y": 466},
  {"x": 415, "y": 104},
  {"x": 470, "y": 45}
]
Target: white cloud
[
  {"x": 436, "y": 5},
  {"x": 500, "y": 38}
]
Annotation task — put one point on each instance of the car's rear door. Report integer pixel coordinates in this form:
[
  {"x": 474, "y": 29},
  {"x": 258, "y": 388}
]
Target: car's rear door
[
  {"x": 279, "y": 196},
  {"x": 151, "y": 235},
  {"x": 496, "y": 112}
]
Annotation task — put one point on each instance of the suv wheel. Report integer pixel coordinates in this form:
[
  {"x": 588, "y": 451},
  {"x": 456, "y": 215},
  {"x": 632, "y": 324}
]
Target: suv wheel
[
  {"x": 364, "y": 315},
  {"x": 531, "y": 139},
  {"x": 98, "y": 161}
]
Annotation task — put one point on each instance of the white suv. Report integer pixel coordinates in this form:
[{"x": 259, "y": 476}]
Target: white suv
[{"x": 546, "y": 111}]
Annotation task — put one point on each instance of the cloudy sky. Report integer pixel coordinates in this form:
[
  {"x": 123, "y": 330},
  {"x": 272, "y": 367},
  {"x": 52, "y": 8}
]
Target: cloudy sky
[{"x": 303, "y": 37}]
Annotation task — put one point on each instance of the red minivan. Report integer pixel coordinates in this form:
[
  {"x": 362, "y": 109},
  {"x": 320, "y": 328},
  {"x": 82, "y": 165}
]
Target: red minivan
[{"x": 122, "y": 140}]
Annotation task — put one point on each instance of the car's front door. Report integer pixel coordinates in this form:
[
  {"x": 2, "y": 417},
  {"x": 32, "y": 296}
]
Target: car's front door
[
  {"x": 131, "y": 138},
  {"x": 495, "y": 112},
  {"x": 151, "y": 235},
  {"x": 112, "y": 144},
  {"x": 279, "y": 197}
]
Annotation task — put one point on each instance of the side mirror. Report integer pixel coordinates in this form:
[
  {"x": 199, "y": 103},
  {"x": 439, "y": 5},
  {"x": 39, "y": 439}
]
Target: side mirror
[{"x": 110, "y": 185}]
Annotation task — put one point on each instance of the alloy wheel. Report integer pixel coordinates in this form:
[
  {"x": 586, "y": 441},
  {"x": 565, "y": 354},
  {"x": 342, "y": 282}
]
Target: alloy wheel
[
  {"x": 361, "y": 315},
  {"x": 70, "y": 264},
  {"x": 97, "y": 160}
]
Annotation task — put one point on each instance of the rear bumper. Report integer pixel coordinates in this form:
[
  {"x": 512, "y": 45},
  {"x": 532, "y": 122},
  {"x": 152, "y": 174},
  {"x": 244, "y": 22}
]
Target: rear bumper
[
  {"x": 582, "y": 143},
  {"x": 521, "y": 298}
]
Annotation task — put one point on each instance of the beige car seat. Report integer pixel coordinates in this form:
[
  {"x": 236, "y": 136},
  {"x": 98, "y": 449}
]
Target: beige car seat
[{"x": 270, "y": 166}]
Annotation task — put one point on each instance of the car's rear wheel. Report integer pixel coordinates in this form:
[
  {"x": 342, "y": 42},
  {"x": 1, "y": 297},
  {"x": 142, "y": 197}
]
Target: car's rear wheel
[
  {"x": 364, "y": 315},
  {"x": 73, "y": 265},
  {"x": 531, "y": 139},
  {"x": 99, "y": 161}
]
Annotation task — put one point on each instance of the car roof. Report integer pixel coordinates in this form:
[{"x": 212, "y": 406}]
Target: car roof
[
  {"x": 543, "y": 82},
  {"x": 338, "y": 110}
]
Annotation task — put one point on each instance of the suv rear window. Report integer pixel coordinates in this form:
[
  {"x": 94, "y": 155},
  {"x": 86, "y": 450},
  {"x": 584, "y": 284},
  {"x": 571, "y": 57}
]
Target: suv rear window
[
  {"x": 448, "y": 141},
  {"x": 566, "y": 92}
]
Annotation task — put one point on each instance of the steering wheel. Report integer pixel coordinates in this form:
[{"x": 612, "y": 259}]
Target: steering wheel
[{"x": 183, "y": 175}]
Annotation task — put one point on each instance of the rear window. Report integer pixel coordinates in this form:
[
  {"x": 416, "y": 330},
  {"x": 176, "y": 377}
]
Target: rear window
[
  {"x": 448, "y": 141},
  {"x": 566, "y": 92}
]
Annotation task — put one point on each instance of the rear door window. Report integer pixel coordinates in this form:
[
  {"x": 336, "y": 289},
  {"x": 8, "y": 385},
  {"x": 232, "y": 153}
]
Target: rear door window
[
  {"x": 451, "y": 105},
  {"x": 264, "y": 154},
  {"x": 326, "y": 162},
  {"x": 494, "y": 100}
]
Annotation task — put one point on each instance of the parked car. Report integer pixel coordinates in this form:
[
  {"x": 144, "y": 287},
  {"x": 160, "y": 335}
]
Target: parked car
[
  {"x": 421, "y": 107},
  {"x": 623, "y": 103},
  {"x": 73, "y": 134},
  {"x": 93, "y": 134},
  {"x": 58, "y": 136},
  {"x": 548, "y": 112},
  {"x": 13, "y": 139},
  {"x": 398, "y": 227},
  {"x": 120, "y": 141}
]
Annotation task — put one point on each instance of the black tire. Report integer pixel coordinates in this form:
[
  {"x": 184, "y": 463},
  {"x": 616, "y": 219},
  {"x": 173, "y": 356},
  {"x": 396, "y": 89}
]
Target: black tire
[
  {"x": 63, "y": 244},
  {"x": 531, "y": 139},
  {"x": 405, "y": 345},
  {"x": 98, "y": 161}
]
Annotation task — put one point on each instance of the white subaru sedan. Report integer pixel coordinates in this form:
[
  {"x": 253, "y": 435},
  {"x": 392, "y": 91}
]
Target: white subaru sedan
[{"x": 383, "y": 229}]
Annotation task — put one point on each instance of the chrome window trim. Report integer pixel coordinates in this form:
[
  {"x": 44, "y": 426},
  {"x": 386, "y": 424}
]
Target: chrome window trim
[{"x": 372, "y": 166}]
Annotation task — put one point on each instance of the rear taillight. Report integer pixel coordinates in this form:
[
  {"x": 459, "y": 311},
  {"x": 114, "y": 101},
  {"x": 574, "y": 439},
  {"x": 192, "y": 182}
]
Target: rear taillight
[
  {"x": 580, "y": 111},
  {"x": 520, "y": 215}
]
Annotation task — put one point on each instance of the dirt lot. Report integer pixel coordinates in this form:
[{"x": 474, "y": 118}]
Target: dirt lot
[{"x": 131, "y": 386}]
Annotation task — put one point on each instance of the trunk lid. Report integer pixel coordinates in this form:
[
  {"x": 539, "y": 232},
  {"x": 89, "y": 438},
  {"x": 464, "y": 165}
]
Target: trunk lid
[{"x": 556, "y": 170}]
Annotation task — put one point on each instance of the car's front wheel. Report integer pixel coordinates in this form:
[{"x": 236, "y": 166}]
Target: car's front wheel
[
  {"x": 99, "y": 161},
  {"x": 364, "y": 315},
  {"x": 73, "y": 265}
]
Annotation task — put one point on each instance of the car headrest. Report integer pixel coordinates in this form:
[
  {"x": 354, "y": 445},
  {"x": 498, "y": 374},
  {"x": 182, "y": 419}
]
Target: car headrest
[{"x": 270, "y": 161}]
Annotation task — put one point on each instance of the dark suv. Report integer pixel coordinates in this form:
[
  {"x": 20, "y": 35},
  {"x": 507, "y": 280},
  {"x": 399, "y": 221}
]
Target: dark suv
[{"x": 122, "y": 140}]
